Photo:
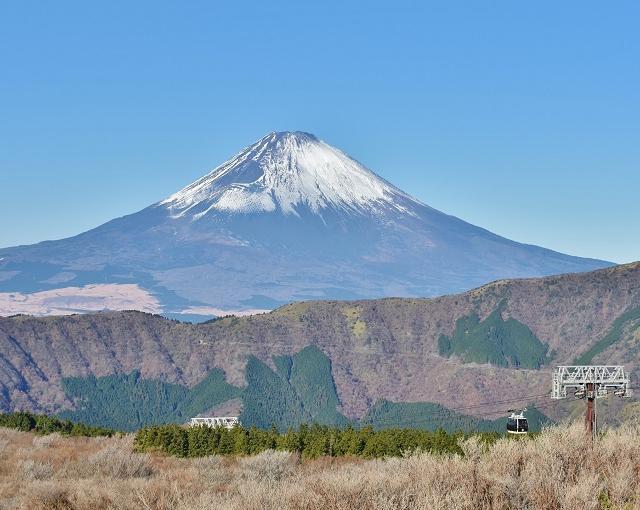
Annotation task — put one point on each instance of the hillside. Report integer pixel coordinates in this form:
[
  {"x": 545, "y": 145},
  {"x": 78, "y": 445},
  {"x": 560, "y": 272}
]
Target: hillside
[
  {"x": 301, "y": 390},
  {"x": 390, "y": 349},
  {"x": 289, "y": 218}
]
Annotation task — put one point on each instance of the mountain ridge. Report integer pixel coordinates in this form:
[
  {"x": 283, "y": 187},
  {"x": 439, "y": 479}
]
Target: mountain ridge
[
  {"x": 289, "y": 218},
  {"x": 379, "y": 349}
]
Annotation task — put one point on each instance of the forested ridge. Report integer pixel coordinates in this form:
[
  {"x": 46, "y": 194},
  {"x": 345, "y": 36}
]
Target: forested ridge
[
  {"x": 491, "y": 339},
  {"x": 301, "y": 390}
]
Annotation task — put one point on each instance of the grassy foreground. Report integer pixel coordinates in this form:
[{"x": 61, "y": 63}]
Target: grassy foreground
[{"x": 558, "y": 469}]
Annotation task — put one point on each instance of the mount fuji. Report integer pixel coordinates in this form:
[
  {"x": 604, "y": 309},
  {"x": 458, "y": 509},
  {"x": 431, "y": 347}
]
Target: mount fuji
[{"x": 288, "y": 218}]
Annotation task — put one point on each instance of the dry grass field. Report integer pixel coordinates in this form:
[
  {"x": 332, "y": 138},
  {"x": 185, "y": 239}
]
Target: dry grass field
[{"x": 557, "y": 470}]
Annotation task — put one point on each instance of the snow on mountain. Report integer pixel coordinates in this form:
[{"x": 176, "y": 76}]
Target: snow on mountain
[
  {"x": 288, "y": 218},
  {"x": 284, "y": 172}
]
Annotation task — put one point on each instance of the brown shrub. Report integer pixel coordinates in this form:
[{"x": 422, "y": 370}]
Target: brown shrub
[
  {"x": 47, "y": 441},
  {"x": 31, "y": 469},
  {"x": 116, "y": 460},
  {"x": 268, "y": 466},
  {"x": 557, "y": 470},
  {"x": 48, "y": 496}
]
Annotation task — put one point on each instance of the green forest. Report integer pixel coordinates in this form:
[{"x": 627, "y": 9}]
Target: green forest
[
  {"x": 128, "y": 402},
  {"x": 494, "y": 340},
  {"x": 631, "y": 318},
  {"x": 300, "y": 390},
  {"x": 429, "y": 416},
  {"x": 44, "y": 424},
  {"x": 310, "y": 441}
]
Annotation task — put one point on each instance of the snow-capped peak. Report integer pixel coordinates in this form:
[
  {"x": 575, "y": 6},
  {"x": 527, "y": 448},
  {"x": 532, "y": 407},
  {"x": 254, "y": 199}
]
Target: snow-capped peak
[{"x": 284, "y": 172}]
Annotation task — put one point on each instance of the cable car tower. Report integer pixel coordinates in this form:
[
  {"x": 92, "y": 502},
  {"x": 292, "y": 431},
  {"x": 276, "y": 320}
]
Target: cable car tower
[{"x": 592, "y": 382}]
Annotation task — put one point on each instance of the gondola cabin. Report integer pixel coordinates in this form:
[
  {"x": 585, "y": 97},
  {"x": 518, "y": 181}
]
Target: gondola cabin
[{"x": 517, "y": 423}]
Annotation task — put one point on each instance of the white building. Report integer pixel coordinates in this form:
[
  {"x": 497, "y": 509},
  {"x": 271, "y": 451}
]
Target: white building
[{"x": 215, "y": 421}]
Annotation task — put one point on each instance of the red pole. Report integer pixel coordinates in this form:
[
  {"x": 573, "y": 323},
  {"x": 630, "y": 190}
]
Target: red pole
[{"x": 590, "y": 416}]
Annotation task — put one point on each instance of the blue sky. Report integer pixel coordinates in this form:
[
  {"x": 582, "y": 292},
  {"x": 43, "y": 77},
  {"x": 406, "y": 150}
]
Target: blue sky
[{"x": 521, "y": 117}]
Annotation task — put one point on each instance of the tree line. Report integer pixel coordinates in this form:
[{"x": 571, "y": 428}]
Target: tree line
[
  {"x": 44, "y": 424},
  {"x": 311, "y": 441}
]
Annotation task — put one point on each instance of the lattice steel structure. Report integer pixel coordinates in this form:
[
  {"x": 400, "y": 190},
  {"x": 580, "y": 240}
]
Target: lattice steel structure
[
  {"x": 605, "y": 378},
  {"x": 590, "y": 381}
]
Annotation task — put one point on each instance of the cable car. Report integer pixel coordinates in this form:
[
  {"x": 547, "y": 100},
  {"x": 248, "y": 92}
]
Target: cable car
[{"x": 517, "y": 423}]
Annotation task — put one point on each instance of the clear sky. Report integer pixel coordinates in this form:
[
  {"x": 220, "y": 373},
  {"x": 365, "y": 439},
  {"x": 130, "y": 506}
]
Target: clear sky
[{"x": 521, "y": 117}]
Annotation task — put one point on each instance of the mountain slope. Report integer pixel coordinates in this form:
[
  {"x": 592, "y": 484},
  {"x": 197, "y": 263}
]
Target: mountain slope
[
  {"x": 288, "y": 173},
  {"x": 288, "y": 218},
  {"x": 379, "y": 349}
]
